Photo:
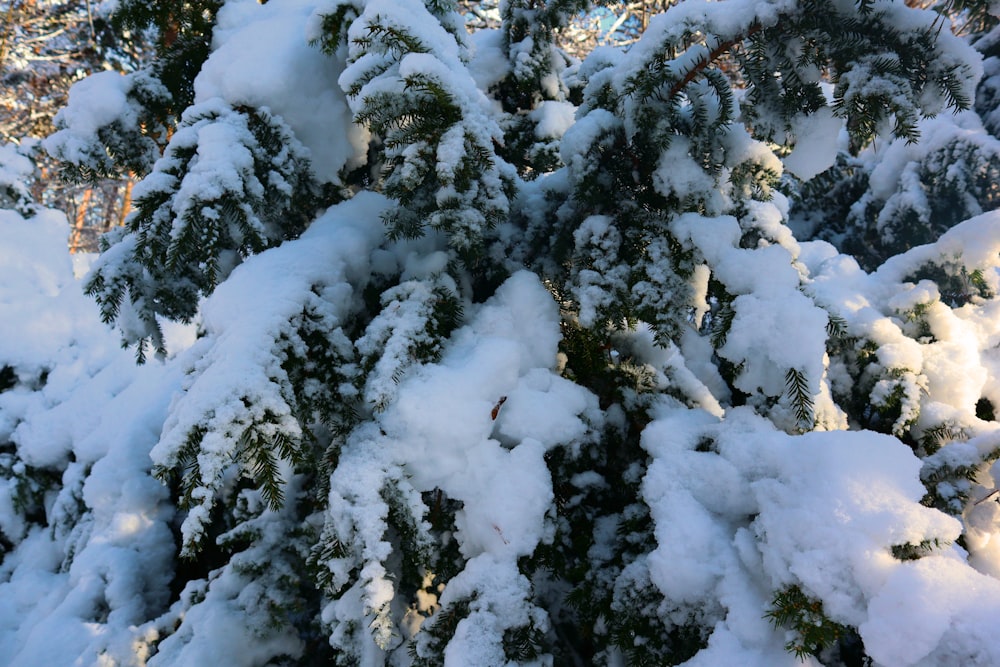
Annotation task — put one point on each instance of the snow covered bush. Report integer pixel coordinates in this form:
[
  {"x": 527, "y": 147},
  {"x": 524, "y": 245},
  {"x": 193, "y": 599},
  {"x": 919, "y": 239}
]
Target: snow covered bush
[
  {"x": 492, "y": 357},
  {"x": 893, "y": 197}
]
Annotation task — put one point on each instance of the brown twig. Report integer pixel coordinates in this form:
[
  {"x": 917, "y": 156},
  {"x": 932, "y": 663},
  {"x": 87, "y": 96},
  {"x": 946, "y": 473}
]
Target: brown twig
[
  {"x": 986, "y": 497},
  {"x": 713, "y": 55}
]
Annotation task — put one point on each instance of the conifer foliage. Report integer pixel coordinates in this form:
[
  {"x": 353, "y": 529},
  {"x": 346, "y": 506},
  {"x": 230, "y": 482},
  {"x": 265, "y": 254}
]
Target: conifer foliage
[
  {"x": 231, "y": 183},
  {"x": 470, "y": 353}
]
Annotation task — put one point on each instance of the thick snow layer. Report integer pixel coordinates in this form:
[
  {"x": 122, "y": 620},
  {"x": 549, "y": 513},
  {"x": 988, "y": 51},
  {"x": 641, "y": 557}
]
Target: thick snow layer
[
  {"x": 16, "y": 170},
  {"x": 96, "y": 101},
  {"x": 738, "y": 508},
  {"x": 236, "y": 364},
  {"x": 817, "y": 139},
  {"x": 476, "y": 426},
  {"x": 489, "y": 64},
  {"x": 261, "y": 57},
  {"x": 34, "y": 268},
  {"x": 94, "y": 417},
  {"x": 552, "y": 119},
  {"x": 829, "y": 534},
  {"x": 493, "y": 465}
]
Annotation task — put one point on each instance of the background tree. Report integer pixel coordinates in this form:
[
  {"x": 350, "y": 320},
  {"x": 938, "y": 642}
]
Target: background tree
[{"x": 45, "y": 47}]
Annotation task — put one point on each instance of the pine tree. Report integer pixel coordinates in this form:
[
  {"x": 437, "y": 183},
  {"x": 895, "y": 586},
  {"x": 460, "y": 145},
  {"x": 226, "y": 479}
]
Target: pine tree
[{"x": 465, "y": 388}]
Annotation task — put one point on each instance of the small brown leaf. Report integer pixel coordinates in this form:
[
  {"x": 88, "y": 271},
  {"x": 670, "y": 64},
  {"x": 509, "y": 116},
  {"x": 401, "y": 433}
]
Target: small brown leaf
[{"x": 496, "y": 408}]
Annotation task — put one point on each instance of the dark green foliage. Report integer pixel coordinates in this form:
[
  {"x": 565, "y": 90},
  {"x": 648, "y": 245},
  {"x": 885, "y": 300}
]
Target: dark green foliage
[
  {"x": 971, "y": 17},
  {"x": 988, "y": 91},
  {"x": 327, "y": 548},
  {"x": 804, "y": 616},
  {"x": 910, "y": 551},
  {"x": 782, "y": 65},
  {"x": 985, "y": 409},
  {"x": 638, "y": 625},
  {"x": 319, "y": 357},
  {"x": 938, "y": 436},
  {"x": 529, "y": 31},
  {"x": 313, "y": 504},
  {"x": 797, "y": 390},
  {"x": 532, "y": 155},
  {"x": 877, "y": 398},
  {"x": 611, "y": 603},
  {"x": 259, "y": 448},
  {"x": 446, "y": 559},
  {"x": 937, "y": 185},
  {"x": 895, "y": 402},
  {"x": 18, "y": 171},
  {"x": 437, "y": 633},
  {"x": 8, "y": 378},
  {"x": 838, "y": 338},
  {"x": 410, "y": 532},
  {"x": 260, "y": 456},
  {"x": 523, "y": 643},
  {"x": 156, "y": 95},
  {"x": 415, "y": 319},
  {"x": 720, "y": 319},
  {"x": 262, "y": 552},
  {"x": 959, "y": 181},
  {"x": 823, "y": 203},
  {"x": 950, "y": 477},
  {"x": 318, "y": 360},
  {"x": 434, "y": 145},
  {"x": 185, "y": 476},
  {"x": 184, "y": 42},
  {"x": 189, "y": 230},
  {"x": 26, "y": 488},
  {"x": 335, "y": 26},
  {"x": 128, "y": 145},
  {"x": 956, "y": 284}
]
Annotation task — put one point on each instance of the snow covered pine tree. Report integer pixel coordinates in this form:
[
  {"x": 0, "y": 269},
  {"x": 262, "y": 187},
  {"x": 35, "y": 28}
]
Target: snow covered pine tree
[{"x": 498, "y": 358}]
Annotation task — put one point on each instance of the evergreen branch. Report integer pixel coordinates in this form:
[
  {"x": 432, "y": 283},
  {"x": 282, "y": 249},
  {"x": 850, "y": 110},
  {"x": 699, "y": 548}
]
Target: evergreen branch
[
  {"x": 721, "y": 49},
  {"x": 722, "y": 322},
  {"x": 797, "y": 390},
  {"x": 910, "y": 551},
  {"x": 937, "y": 436},
  {"x": 814, "y": 631},
  {"x": 836, "y": 326},
  {"x": 256, "y": 452}
]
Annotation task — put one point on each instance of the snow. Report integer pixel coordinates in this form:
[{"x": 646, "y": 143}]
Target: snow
[
  {"x": 35, "y": 268},
  {"x": 261, "y": 57},
  {"x": 98, "y": 412},
  {"x": 830, "y": 534},
  {"x": 489, "y": 64},
  {"x": 138, "y": 467},
  {"x": 94, "y": 102},
  {"x": 945, "y": 607},
  {"x": 16, "y": 171},
  {"x": 508, "y": 350},
  {"x": 817, "y": 139},
  {"x": 552, "y": 118},
  {"x": 239, "y": 366},
  {"x": 677, "y": 173}
]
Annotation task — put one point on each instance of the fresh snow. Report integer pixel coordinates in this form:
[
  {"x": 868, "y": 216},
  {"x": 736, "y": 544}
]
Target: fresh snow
[
  {"x": 817, "y": 139},
  {"x": 261, "y": 57},
  {"x": 743, "y": 498},
  {"x": 829, "y": 530}
]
